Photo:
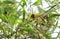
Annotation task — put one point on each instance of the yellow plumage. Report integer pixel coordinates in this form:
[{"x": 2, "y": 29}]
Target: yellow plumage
[
  {"x": 36, "y": 17},
  {"x": 33, "y": 16}
]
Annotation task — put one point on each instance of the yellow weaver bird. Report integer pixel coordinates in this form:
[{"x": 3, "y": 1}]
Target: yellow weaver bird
[
  {"x": 33, "y": 16},
  {"x": 40, "y": 20},
  {"x": 36, "y": 17}
]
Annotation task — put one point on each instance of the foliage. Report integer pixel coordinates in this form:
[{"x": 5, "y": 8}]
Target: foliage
[{"x": 14, "y": 27}]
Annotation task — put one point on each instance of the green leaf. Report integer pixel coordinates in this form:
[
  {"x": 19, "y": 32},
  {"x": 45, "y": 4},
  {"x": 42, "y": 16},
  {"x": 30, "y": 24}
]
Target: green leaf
[
  {"x": 54, "y": 15},
  {"x": 4, "y": 31},
  {"x": 24, "y": 3},
  {"x": 48, "y": 37},
  {"x": 40, "y": 1},
  {"x": 1, "y": 28},
  {"x": 23, "y": 14},
  {"x": 8, "y": 2},
  {"x": 29, "y": 30},
  {"x": 4, "y": 18},
  {"x": 55, "y": 2},
  {"x": 37, "y": 2}
]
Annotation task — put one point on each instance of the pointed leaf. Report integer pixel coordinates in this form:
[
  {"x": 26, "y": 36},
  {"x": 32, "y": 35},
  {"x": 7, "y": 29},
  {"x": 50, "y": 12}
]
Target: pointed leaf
[{"x": 54, "y": 15}]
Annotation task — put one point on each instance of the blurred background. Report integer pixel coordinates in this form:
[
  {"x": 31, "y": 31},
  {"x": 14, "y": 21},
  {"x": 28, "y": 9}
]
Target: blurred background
[{"x": 15, "y": 22}]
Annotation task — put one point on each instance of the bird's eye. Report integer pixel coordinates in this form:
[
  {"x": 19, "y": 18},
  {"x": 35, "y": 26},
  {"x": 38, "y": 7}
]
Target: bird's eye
[{"x": 32, "y": 16}]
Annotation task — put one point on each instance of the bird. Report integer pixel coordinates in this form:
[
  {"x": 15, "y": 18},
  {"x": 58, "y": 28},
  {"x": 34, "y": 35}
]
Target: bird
[{"x": 39, "y": 19}]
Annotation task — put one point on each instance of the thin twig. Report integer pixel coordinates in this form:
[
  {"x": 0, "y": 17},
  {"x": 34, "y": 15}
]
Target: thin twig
[{"x": 49, "y": 9}]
